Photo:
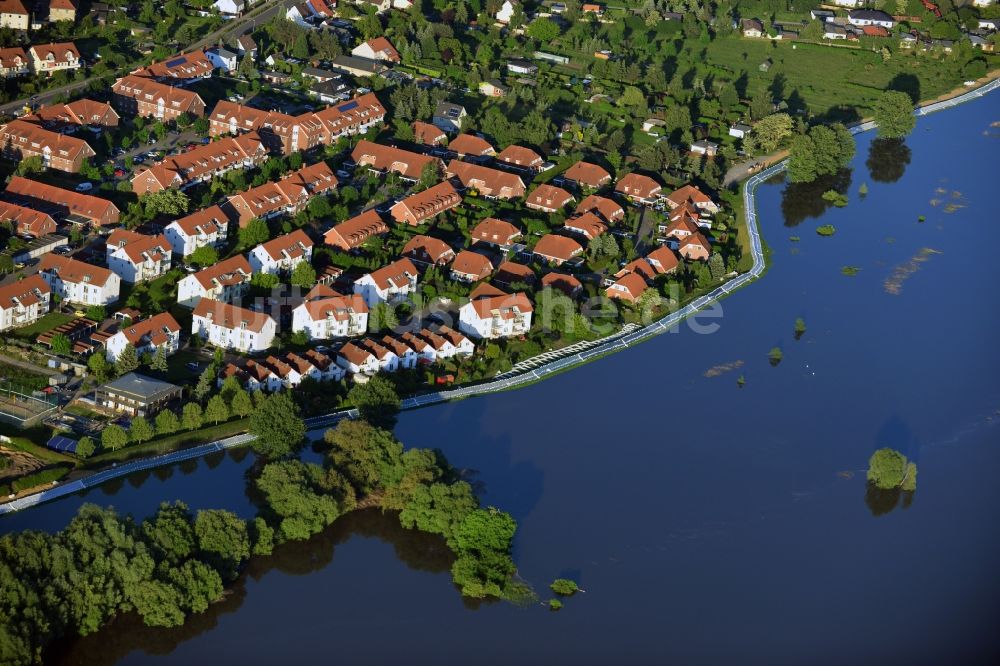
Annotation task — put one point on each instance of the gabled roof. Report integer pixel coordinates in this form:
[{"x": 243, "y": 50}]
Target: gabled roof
[
  {"x": 607, "y": 208},
  {"x": 490, "y": 302},
  {"x": 688, "y": 193},
  {"x": 510, "y": 271},
  {"x": 588, "y": 225},
  {"x": 59, "y": 52},
  {"x": 181, "y": 66},
  {"x": 432, "y": 249},
  {"x": 357, "y": 229},
  {"x": 26, "y": 220},
  {"x": 485, "y": 178},
  {"x": 24, "y": 292},
  {"x": 563, "y": 282},
  {"x": 472, "y": 264},
  {"x": 152, "y": 331},
  {"x": 292, "y": 246},
  {"x": 560, "y": 248},
  {"x": 520, "y": 156},
  {"x": 638, "y": 186},
  {"x": 388, "y": 158},
  {"x": 234, "y": 270},
  {"x": 147, "y": 90},
  {"x": 492, "y": 230},
  {"x": 340, "y": 308},
  {"x": 382, "y": 47},
  {"x": 588, "y": 174},
  {"x": 549, "y": 197},
  {"x": 395, "y": 274},
  {"x": 355, "y": 354},
  {"x": 230, "y": 316},
  {"x": 13, "y": 7},
  {"x": 37, "y": 139},
  {"x": 697, "y": 238},
  {"x": 425, "y": 205},
  {"x": 140, "y": 247},
  {"x": 427, "y": 134},
  {"x": 662, "y": 259},
  {"x": 74, "y": 271},
  {"x": 205, "y": 221},
  {"x": 9, "y": 57},
  {"x": 632, "y": 284},
  {"x": 470, "y": 144},
  {"x": 204, "y": 160}
]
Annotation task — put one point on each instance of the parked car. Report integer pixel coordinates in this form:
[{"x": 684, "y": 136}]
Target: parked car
[{"x": 84, "y": 187}]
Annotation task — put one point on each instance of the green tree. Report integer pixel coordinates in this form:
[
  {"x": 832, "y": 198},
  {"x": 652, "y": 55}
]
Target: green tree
[
  {"x": 159, "y": 362},
  {"x": 98, "y": 364},
  {"x": 167, "y": 422},
  {"x": 223, "y": 537},
  {"x": 206, "y": 255},
  {"x": 255, "y": 233},
  {"x": 127, "y": 361},
  {"x": 889, "y": 469},
  {"x": 893, "y": 114},
  {"x": 370, "y": 457},
  {"x": 303, "y": 275},
  {"x": 543, "y": 29},
  {"x": 382, "y": 317},
  {"x": 205, "y": 383},
  {"x": 242, "y": 404},
  {"x": 113, "y": 437},
  {"x": 768, "y": 134},
  {"x": 823, "y": 151},
  {"x": 216, "y": 411},
  {"x": 191, "y": 416},
  {"x": 61, "y": 344},
  {"x": 141, "y": 431},
  {"x": 85, "y": 447},
  {"x": 376, "y": 400},
  {"x": 278, "y": 426}
]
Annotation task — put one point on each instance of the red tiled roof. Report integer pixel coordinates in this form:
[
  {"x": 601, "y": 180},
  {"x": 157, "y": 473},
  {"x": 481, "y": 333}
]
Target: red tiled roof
[
  {"x": 147, "y": 90},
  {"x": 588, "y": 224},
  {"x": 74, "y": 271},
  {"x": 559, "y": 248},
  {"x": 563, "y": 282},
  {"x": 37, "y": 138},
  {"x": 470, "y": 144},
  {"x": 387, "y": 158},
  {"x": 230, "y": 316},
  {"x": 472, "y": 264},
  {"x": 425, "y": 205},
  {"x": 607, "y": 208},
  {"x": 382, "y": 46},
  {"x": 204, "y": 221},
  {"x": 548, "y": 197},
  {"x": 356, "y": 230},
  {"x": 492, "y": 230},
  {"x": 490, "y": 182},
  {"x": 23, "y": 292},
  {"x": 395, "y": 274},
  {"x": 61, "y": 52},
  {"x": 338, "y": 307},
  {"x": 427, "y": 134},
  {"x": 633, "y": 285},
  {"x": 688, "y": 193},
  {"x": 154, "y": 329},
  {"x": 588, "y": 174},
  {"x": 429, "y": 248},
  {"x": 234, "y": 270},
  {"x": 493, "y": 302},
  {"x": 182, "y": 66},
  {"x": 637, "y": 186},
  {"x": 292, "y": 245},
  {"x": 520, "y": 156}
]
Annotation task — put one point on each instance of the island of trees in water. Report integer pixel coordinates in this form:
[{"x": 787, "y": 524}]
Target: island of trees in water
[{"x": 177, "y": 562}]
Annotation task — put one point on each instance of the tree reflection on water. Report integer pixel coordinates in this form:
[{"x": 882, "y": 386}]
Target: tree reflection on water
[{"x": 888, "y": 159}]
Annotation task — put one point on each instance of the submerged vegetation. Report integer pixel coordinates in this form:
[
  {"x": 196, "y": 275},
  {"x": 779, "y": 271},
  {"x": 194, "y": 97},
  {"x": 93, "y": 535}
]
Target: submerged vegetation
[
  {"x": 850, "y": 271},
  {"x": 775, "y": 356},
  {"x": 177, "y": 562},
  {"x": 826, "y": 230},
  {"x": 889, "y": 469}
]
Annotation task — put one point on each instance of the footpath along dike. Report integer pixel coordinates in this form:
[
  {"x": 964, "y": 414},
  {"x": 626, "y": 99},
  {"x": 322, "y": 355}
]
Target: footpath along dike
[{"x": 553, "y": 362}]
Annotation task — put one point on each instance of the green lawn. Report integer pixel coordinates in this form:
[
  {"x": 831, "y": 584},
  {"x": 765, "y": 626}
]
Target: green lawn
[
  {"x": 46, "y": 323},
  {"x": 169, "y": 443}
]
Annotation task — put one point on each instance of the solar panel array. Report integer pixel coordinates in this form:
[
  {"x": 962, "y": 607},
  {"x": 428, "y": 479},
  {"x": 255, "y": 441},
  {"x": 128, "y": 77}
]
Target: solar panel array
[
  {"x": 176, "y": 61},
  {"x": 348, "y": 106},
  {"x": 60, "y": 443}
]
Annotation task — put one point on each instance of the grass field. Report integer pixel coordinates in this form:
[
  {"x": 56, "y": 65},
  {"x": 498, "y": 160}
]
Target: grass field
[
  {"x": 851, "y": 76},
  {"x": 46, "y": 323}
]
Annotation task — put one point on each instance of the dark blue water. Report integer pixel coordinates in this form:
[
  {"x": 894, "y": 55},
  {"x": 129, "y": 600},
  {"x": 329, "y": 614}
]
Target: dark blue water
[{"x": 707, "y": 523}]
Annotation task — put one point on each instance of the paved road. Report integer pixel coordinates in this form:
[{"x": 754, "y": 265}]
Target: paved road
[{"x": 230, "y": 29}]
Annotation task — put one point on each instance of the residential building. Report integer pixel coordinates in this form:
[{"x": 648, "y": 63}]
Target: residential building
[
  {"x": 136, "y": 395},
  {"x": 55, "y": 57},
  {"x": 492, "y": 313},
  {"x": 509, "y": 273},
  {"x": 377, "y": 49},
  {"x": 690, "y": 193},
  {"x": 705, "y": 147},
  {"x": 282, "y": 254},
  {"x": 201, "y": 164},
  {"x": 639, "y": 188},
  {"x": 491, "y": 183},
  {"x": 520, "y": 158},
  {"x": 424, "y": 133},
  {"x": 387, "y": 359},
  {"x": 492, "y": 88},
  {"x": 608, "y": 209},
  {"x": 352, "y": 233},
  {"x": 470, "y": 146},
  {"x": 76, "y": 114},
  {"x": 863, "y": 17},
  {"x": 22, "y": 140},
  {"x": 428, "y": 251},
  {"x": 79, "y": 282},
  {"x": 471, "y": 267},
  {"x": 182, "y": 68},
  {"x": 357, "y": 360},
  {"x": 325, "y": 315},
  {"x": 358, "y": 67},
  {"x": 14, "y": 62},
  {"x": 752, "y": 28},
  {"x": 422, "y": 206},
  {"x": 407, "y": 356},
  {"x": 288, "y": 196},
  {"x": 390, "y": 284},
  {"x": 567, "y": 284},
  {"x": 24, "y": 302},
  {"x": 383, "y": 159},
  {"x": 230, "y": 8},
  {"x": 588, "y": 225},
  {"x": 557, "y": 249},
  {"x": 230, "y": 327},
  {"x": 208, "y": 226},
  {"x": 222, "y": 58},
  {"x": 499, "y": 233},
  {"x": 26, "y": 221},
  {"x": 448, "y": 117},
  {"x": 628, "y": 288},
  {"x": 695, "y": 247},
  {"x": 63, "y": 205},
  {"x": 137, "y": 257},
  {"x": 161, "y": 331},
  {"x": 519, "y": 66},
  {"x": 506, "y": 11},
  {"x": 548, "y": 198},
  {"x": 226, "y": 281},
  {"x": 142, "y": 96},
  {"x": 14, "y": 15},
  {"x": 739, "y": 130},
  {"x": 246, "y": 46},
  {"x": 587, "y": 175}
]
